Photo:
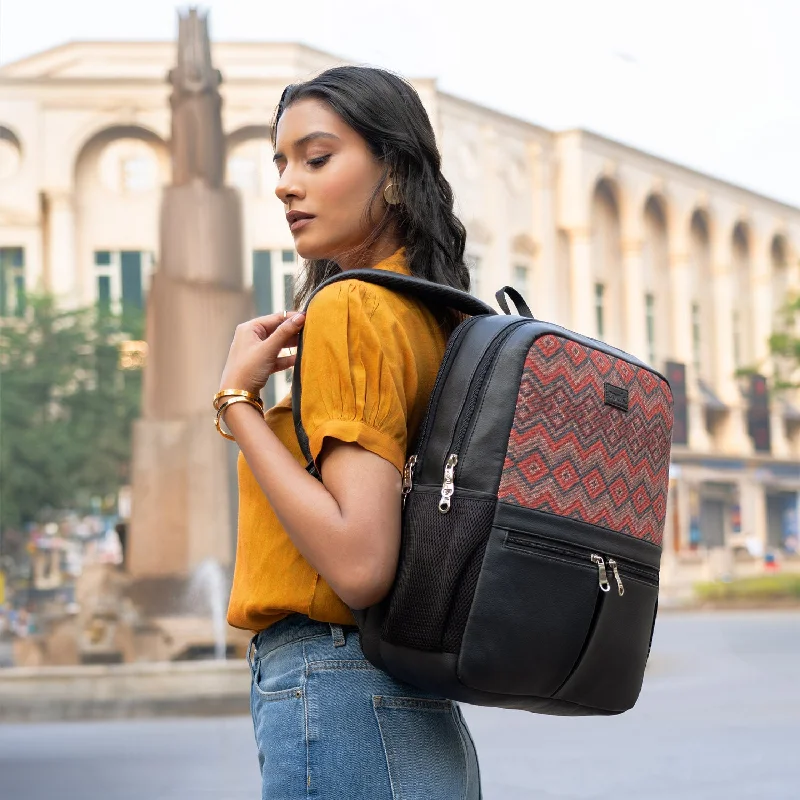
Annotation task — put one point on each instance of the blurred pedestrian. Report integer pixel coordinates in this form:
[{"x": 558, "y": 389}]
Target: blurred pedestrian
[{"x": 359, "y": 175}]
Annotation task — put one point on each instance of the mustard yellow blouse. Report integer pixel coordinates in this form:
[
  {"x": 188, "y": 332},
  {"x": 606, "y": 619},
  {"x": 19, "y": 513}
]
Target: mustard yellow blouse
[{"x": 370, "y": 358}]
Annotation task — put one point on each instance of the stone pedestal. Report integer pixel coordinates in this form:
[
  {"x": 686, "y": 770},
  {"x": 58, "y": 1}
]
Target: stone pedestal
[
  {"x": 183, "y": 503},
  {"x": 182, "y": 497}
]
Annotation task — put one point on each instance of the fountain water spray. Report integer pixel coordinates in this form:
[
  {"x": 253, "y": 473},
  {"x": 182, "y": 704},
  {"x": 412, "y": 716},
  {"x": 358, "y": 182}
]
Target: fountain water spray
[{"x": 208, "y": 589}]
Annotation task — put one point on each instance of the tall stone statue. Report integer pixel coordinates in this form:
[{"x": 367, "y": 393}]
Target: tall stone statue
[
  {"x": 183, "y": 472},
  {"x": 197, "y": 137}
]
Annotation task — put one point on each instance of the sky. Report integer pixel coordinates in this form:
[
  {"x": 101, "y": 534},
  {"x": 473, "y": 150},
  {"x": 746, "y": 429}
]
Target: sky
[{"x": 711, "y": 84}]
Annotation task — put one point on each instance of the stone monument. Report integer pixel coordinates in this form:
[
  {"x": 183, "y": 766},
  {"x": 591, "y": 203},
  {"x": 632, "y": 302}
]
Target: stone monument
[{"x": 183, "y": 509}]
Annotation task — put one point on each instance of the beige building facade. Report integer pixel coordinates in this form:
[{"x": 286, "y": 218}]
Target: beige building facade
[{"x": 683, "y": 270}]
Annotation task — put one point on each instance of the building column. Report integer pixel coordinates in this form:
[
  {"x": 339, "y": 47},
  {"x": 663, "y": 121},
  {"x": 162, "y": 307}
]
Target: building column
[
  {"x": 62, "y": 277},
  {"x": 581, "y": 284},
  {"x": 762, "y": 319},
  {"x": 633, "y": 303},
  {"x": 761, "y": 313},
  {"x": 682, "y": 347},
  {"x": 544, "y": 299},
  {"x": 735, "y": 438},
  {"x": 753, "y": 503},
  {"x": 781, "y": 446},
  {"x": 34, "y": 257}
]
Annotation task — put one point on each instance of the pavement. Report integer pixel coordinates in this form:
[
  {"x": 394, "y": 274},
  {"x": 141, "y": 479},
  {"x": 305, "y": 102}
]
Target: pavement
[
  {"x": 6, "y": 653},
  {"x": 719, "y": 718}
]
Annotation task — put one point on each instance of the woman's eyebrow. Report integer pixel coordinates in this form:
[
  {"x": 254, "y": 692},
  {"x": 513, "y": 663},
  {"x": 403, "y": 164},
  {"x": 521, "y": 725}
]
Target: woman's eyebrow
[{"x": 304, "y": 140}]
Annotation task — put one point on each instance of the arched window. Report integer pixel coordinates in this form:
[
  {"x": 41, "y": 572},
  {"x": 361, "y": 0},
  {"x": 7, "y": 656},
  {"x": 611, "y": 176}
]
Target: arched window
[
  {"x": 10, "y": 153},
  {"x": 119, "y": 175}
]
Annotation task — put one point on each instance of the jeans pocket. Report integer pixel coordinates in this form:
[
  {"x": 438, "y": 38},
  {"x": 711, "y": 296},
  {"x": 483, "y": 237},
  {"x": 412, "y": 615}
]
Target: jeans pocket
[
  {"x": 425, "y": 750},
  {"x": 278, "y": 675},
  {"x": 280, "y": 732}
]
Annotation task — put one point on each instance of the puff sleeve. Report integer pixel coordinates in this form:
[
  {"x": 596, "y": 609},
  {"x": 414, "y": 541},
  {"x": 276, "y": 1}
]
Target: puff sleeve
[{"x": 357, "y": 372}]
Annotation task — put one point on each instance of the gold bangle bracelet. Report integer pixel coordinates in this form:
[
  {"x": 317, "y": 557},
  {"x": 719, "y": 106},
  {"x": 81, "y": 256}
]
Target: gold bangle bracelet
[
  {"x": 221, "y": 410},
  {"x": 237, "y": 393}
]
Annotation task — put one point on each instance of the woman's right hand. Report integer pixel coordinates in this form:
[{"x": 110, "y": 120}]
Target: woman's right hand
[{"x": 254, "y": 354}]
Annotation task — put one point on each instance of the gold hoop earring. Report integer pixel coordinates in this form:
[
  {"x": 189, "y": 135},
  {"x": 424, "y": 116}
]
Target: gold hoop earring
[{"x": 390, "y": 195}]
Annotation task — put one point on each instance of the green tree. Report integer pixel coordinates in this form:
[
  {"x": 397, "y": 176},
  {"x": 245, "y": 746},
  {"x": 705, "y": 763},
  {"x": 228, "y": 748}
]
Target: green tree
[
  {"x": 66, "y": 408},
  {"x": 784, "y": 345}
]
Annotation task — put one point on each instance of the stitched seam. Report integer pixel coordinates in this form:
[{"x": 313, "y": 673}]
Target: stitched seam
[
  {"x": 456, "y": 722},
  {"x": 526, "y": 551},
  {"x": 324, "y": 666},
  {"x": 305, "y": 722},
  {"x": 474, "y": 751},
  {"x": 414, "y": 703},
  {"x": 376, "y": 703},
  {"x": 258, "y": 658},
  {"x": 479, "y": 410},
  {"x": 281, "y": 694}
]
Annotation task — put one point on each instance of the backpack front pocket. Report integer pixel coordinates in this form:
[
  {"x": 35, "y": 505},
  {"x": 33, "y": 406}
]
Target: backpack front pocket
[
  {"x": 534, "y": 608},
  {"x": 610, "y": 671}
]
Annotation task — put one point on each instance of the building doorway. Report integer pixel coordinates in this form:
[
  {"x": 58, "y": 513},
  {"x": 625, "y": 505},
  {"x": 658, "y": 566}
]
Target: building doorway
[
  {"x": 782, "y": 532},
  {"x": 712, "y": 521}
]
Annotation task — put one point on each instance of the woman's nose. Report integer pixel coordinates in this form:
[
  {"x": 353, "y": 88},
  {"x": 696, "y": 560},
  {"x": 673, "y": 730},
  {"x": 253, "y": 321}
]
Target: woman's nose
[{"x": 287, "y": 188}]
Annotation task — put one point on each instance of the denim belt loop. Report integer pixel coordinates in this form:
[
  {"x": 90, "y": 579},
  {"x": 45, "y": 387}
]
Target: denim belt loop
[
  {"x": 251, "y": 648},
  {"x": 337, "y": 632}
]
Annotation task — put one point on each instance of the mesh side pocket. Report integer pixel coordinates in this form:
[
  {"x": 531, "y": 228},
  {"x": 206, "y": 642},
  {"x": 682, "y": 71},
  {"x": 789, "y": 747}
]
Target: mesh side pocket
[
  {"x": 462, "y": 600},
  {"x": 440, "y": 558}
]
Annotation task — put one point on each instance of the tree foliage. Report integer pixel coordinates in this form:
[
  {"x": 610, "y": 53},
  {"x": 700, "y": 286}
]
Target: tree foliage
[
  {"x": 66, "y": 408},
  {"x": 784, "y": 345}
]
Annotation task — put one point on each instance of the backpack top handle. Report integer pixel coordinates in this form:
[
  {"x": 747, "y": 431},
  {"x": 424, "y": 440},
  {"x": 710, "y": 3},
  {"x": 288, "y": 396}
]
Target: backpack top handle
[
  {"x": 433, "y": 294},
  {"x": 519, "y": 303}
]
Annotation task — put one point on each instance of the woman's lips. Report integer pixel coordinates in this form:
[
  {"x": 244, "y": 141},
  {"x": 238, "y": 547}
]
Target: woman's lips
[{"x": 300, "y": 223}]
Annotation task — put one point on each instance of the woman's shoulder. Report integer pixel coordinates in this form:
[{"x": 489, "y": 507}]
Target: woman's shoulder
[{"x": 354, "y": 300}]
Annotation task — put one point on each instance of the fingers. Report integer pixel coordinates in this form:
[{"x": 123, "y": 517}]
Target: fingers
[
  {"x": 265, "y": 326},
  {"x": 274, "y": 319},
  {"x": 286, "y": 334},
  {"x": 284, "y": 362}
]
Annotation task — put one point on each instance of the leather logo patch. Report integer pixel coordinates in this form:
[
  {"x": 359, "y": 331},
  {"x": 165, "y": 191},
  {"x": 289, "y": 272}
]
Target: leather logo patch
[{"x": 615, "y": 396}]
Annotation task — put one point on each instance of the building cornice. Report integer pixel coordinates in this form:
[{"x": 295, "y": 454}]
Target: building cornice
[
  {"x": 500, "y": 116},
  {"x": 688, "y": 172}
]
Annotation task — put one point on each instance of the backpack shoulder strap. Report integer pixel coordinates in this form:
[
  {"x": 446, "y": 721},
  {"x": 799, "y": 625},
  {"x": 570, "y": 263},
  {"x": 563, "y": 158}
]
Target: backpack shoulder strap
[{"x": 433, "y": 294}]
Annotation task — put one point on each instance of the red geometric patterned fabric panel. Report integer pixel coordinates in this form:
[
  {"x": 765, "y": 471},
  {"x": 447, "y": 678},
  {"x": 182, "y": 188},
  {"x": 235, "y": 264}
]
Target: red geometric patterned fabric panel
[{"x": 572, "y": 454}]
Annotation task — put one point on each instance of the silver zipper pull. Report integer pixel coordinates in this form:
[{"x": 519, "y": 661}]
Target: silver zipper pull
[
  {"x": 408, "y": 478},
  {"x": 601, "y": 571},
  {"x": 449, "y": 484},
  {"x": 613, "y": 565}
]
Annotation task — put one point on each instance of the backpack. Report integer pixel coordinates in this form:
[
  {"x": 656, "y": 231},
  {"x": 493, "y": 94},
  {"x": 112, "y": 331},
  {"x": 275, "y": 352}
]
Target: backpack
[{"x": 534, "y": 502}]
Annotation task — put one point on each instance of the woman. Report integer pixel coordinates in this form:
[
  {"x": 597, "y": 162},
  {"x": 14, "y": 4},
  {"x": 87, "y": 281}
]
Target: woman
[{"x": 360, "y": 180}]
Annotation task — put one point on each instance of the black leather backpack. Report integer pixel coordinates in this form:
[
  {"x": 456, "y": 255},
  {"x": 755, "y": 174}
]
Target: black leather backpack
[{"x": 533, "y": 514}]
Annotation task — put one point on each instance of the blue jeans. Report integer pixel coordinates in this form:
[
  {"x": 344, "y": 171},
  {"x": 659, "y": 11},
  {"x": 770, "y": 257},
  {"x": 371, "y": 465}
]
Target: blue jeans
[{"x": 329, "y": 725}]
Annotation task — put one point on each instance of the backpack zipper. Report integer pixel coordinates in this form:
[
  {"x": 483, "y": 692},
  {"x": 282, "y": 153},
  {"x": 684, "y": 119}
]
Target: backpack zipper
[
  {"x": 645, "y": 574},
  {"x": 468, "y": 410},
  {"x": 408, "y": 469},
  {"x": 449, "y": 486},
  {"x": 408, "y": 477},
  {"x": 602, "y": 575},
  {"x": 452, "y": 343},
  {"x": 620, "y": 587}
]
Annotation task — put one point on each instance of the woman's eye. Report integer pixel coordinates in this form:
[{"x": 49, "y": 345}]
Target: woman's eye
[{"x": 318, "y": 162}]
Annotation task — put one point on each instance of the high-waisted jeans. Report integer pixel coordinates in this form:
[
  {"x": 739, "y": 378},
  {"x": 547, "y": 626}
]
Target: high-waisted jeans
[{"x": 329, "y": 725}]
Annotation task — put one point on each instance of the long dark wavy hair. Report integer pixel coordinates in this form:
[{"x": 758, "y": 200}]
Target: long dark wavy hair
[{"x": 387, "y": 112}]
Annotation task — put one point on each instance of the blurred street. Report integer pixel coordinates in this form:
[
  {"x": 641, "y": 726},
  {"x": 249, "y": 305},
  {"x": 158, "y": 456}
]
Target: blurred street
[{"x": 719, "y": 719}]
